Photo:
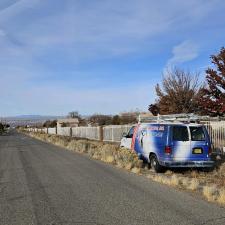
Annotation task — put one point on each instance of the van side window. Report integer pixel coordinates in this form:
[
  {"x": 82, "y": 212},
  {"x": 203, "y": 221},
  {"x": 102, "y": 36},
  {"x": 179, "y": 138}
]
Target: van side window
[
  {"x": 180, "y": 133},
  {"x": 131, "y": 132},
  {"x": 197, "y": 134}
]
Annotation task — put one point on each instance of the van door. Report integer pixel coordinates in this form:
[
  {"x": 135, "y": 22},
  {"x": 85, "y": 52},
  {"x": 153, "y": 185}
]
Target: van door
[
  {"x": 181, "y": 145},
  {"x": 200, "y": 143},
  {"x": 127, "y": 140}
]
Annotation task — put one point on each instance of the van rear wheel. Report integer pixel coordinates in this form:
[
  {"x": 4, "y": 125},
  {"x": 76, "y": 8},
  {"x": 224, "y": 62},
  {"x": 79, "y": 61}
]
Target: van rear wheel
[{"x": 154, "y": 164}]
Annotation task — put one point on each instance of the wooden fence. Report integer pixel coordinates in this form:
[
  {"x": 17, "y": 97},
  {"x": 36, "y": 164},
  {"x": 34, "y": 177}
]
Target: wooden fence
[
  {"x": 216, "y": 131},
  {"x": 114, "y": 133},
  {"x": 106, "y": 133}
]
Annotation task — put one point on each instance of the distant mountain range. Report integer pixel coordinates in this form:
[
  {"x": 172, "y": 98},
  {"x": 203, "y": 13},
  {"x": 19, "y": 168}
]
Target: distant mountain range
[
  {"x": 31, "y": 117},
  {"x": 22, "y": 120}
]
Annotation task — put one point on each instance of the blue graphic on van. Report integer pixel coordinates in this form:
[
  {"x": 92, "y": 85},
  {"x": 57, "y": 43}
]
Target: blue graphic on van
[{"x": 173, "y": 145}]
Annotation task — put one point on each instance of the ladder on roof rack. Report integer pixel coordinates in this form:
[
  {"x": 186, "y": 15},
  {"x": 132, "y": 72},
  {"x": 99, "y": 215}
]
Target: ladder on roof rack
[{"x": 184, "y": 117}]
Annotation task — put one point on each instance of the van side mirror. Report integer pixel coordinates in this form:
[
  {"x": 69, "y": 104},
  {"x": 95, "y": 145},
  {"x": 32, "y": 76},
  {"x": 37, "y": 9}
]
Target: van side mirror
[{"x": 124, "y": 135}]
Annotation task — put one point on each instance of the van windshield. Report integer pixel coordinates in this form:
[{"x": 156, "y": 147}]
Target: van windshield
[
  {"x": 131, "y": 132},
  {"x": 197, "y": 134},
  {"x": 180, "y": 133}
]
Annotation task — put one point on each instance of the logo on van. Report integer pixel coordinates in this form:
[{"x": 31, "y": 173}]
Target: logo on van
[{"x": 156, "y": 128}]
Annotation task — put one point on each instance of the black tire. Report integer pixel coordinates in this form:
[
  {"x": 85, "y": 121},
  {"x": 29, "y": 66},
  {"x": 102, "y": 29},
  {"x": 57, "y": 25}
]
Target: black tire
[{"x": 154, "y": 164}]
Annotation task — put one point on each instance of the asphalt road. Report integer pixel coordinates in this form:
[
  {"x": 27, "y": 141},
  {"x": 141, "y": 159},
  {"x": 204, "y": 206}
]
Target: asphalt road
[{"x": 42, "y": 184}]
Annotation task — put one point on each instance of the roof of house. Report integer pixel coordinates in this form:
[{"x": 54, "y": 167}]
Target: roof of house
[{"x": 68, "y": 120}]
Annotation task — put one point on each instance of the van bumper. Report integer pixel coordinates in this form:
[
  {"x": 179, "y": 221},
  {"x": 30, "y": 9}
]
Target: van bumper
[{"x": 187, "y": 163}]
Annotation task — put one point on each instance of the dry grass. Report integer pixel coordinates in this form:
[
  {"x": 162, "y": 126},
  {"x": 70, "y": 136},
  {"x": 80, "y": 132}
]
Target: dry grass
[
  {"x": 175, "y": 180},
  {"x": 210, "y": 192},
  {"x": 185, "y": 182},
  {"x": 109, "y": 159},
  {"x": 136, "y": 170},
  {"x": 161, "y": 179},
  {"x": 194, "y": 184},
  {"x": 221, "y": 196},
  {"x": 129, "y": 166}
]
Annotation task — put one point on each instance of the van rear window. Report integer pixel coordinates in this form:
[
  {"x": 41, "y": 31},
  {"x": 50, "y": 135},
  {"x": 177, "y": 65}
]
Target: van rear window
[
  {"x": 180, "y": 133},
  {"x": 197, "y": 134}
]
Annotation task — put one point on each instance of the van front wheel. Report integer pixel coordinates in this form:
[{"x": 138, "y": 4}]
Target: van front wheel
[{"x": 154, "y": 163}]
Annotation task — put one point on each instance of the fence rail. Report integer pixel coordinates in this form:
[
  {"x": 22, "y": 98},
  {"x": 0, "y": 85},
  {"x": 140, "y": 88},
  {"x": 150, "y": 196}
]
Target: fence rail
[
  {"x": 52, "y": 131},
  {"x": 114, "y": 133},
  {"x": 216, "y": 131},
  {"x": 92, "y": 133},
  {"x": 107, "y": 133},
  {"x": 64, "y": 131}
]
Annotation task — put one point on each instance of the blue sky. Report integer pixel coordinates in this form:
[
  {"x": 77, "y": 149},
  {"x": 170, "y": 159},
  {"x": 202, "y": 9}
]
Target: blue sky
[{"x": 99, "y": 56}]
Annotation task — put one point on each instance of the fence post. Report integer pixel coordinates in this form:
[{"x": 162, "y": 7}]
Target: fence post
[
  {"x": 101, "y": 133},
  {"x": 71, "y": 132},
  {"x": 112, "y": 135}
]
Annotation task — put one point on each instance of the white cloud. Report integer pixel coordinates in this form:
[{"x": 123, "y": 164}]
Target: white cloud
[
  {"x": 184, "y": 52},
  {"x": 105, "y": 28},
  {"x": 15, "y": 8}
]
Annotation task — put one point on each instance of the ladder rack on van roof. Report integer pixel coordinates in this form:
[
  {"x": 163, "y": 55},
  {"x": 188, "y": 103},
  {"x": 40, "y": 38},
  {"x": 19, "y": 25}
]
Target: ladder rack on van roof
[{"x": 182, "y": 118}]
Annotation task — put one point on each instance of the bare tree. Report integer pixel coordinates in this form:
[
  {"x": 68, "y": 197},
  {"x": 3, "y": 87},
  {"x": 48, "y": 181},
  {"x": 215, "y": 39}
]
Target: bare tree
[
  {"x": 99, "y": 119},
  {"x": 73, "y": 114},
  {"x": 116, "y": 120},
  {"x": 154, "y": 109},
  {"x": 50, "y": 123},
  {"x": 179, "y": 92}
]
